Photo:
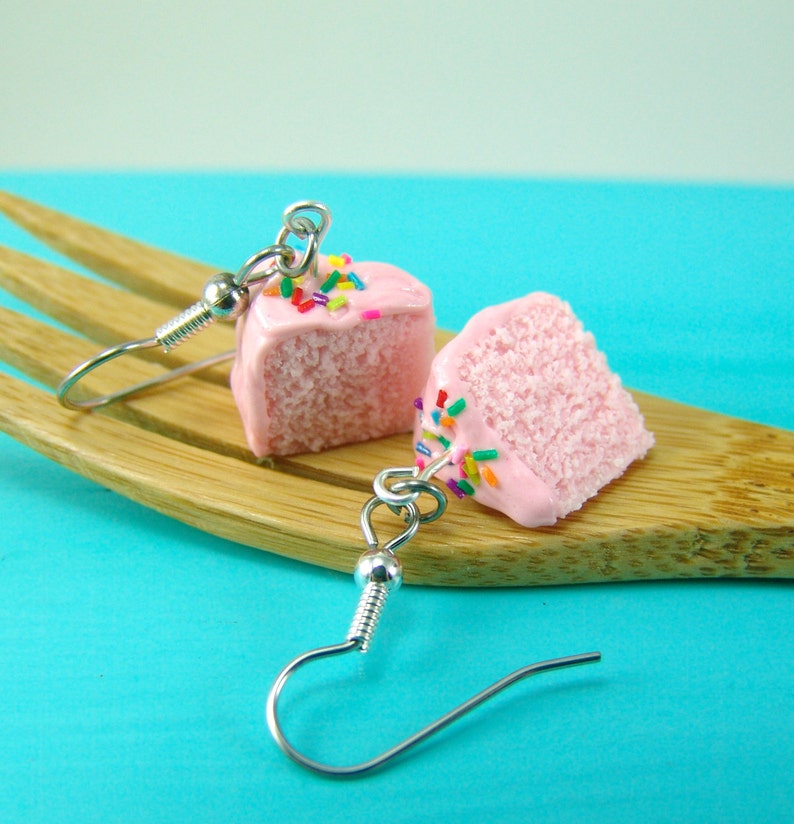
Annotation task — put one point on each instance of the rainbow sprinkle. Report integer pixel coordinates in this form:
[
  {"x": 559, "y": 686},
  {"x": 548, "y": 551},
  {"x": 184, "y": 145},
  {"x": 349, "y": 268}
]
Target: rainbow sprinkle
[
  {"x": 457, "y": 455},
  {"x": 485, "y": 454},
  {"x": 457, "y": 407},
  {"x": 356, "y": 281},
  {"x": 287, "y": 288},
  {"x": 470, "y": 465},
  {"x": 471, "y": 468},
  {"x": 488, "y": 475},
  {"x": 465, "y": 486},
  {"x": 331, "y": 281},
  {"x": 336, "y": 303}
]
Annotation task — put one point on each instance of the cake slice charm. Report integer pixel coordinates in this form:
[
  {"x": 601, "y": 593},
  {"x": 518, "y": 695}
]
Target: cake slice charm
[
  {"x": 332, "y": 358},
  {"x": 533, "y": 419}
]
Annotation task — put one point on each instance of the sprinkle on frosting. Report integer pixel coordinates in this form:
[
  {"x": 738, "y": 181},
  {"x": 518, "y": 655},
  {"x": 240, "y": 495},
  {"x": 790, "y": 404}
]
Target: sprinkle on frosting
[
  {"x": 465, "y": 486},
  {"x": 457, "y": 407},
  {"x": 330, "y": 281},
  {"x": 356, "y": 281},
  {"x": 453, "y": 486},
  {"x": 485, "y": 454},
  {"x": 472, "y": 468},
  {"x": 336, "y": 303},
  {"x": 488, "y": 476},
  {"x": 343, "y": 281},
  {"x": 458, "y": 453}
]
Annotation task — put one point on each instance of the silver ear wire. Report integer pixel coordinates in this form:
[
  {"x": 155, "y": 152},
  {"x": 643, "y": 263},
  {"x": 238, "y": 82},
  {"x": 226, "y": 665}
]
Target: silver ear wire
[
  {"x": 379, "y": 573},
  {"x": 224, "y": 297}
]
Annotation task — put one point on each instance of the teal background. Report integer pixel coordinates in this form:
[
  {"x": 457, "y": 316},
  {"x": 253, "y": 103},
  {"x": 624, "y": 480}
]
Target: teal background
[{"x": 136, "y": 653}]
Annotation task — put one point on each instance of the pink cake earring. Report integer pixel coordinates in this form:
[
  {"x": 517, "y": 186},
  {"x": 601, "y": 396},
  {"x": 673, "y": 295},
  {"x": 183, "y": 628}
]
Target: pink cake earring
[
  {"x": 519, "y": 412},
  {"x": 314, "y": 337}
]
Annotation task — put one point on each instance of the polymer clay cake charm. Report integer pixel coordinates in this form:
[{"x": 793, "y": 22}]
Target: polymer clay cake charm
[
  {"x": 535, "y": 421},
  {"x": 327, "y": 352},
  {"x": 333, "y": 357}
]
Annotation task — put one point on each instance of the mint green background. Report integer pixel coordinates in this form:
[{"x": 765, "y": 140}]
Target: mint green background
[{"x": 136, "y": 653}]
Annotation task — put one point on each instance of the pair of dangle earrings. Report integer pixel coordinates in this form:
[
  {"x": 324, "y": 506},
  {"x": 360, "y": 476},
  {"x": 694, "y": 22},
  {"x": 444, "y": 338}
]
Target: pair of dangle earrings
[{"x": 378, "y": 571}]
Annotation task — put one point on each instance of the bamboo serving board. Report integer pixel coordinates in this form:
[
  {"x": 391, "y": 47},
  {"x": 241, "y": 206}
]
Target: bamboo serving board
[{"x": 713, "y": 498}]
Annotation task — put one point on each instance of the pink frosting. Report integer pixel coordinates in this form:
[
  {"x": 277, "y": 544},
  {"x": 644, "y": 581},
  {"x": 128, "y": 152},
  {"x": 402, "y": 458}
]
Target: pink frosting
[{"x": 538, "y": 392}]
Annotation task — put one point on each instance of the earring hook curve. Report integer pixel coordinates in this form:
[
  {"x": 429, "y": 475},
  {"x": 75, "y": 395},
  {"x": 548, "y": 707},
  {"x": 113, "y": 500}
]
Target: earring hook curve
[{"x": 276, "y": 730}]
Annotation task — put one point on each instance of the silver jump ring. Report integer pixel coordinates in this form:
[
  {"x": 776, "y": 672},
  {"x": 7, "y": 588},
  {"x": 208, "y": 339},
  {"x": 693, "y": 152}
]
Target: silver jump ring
[
  {"x": 393, "y": 495},
  {"x": 412, "y": 519},
  {"x": 418, "y": 487},
  {"x": 245, "y": 274},
  {"x": 387, "y": 494}
]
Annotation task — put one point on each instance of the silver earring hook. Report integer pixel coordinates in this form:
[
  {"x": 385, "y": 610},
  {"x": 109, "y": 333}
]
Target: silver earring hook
[
  {"x": 224, "y": 297},
  {"x": 379, "y": 573},
  {"x": 412, "y": 740}
]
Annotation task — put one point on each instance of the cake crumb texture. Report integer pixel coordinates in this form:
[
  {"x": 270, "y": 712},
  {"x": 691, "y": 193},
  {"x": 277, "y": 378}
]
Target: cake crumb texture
[
  {"x": 325, "y": 388},
  {"x": 544, "y": 388},
  {"x": 534, "y": 420}
]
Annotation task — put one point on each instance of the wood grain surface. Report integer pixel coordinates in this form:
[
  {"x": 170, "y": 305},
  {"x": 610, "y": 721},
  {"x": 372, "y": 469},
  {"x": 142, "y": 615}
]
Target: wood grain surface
[{"x": 713, "y": 498}]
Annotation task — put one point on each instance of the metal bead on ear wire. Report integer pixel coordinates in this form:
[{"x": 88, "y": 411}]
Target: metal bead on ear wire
[
  {"x": 379, "y": 572},
  {"x": 222, "y": 299}
]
